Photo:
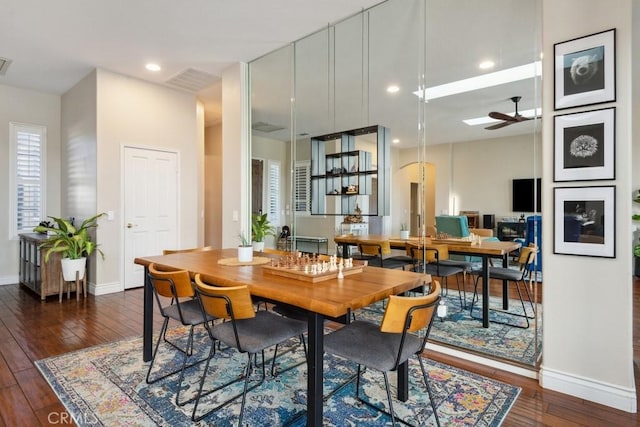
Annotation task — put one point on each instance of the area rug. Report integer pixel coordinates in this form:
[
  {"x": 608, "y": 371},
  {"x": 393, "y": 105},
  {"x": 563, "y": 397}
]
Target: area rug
[
  {"x": 461, "y": 330},
  {"x": 105, "y": 385}
]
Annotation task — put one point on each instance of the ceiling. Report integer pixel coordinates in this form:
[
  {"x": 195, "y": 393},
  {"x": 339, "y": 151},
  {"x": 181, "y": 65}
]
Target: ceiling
[{"x": 54, "y": 44}]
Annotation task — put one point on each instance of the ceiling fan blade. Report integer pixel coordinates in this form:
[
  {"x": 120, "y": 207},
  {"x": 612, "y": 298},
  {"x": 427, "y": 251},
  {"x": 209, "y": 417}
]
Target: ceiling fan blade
[
  {"x": 501, "y": 116},
  {"x": 520, "y": 118},
  {"x": 499, "y": 125}
]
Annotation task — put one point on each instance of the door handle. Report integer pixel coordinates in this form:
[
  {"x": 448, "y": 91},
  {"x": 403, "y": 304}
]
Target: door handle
[{"x": 130, "y": 225}]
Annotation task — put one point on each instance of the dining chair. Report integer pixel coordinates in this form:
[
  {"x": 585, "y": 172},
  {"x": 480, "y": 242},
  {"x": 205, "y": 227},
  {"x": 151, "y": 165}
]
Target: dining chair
[
  {"x": 518, "y": 277},
  {"x": 432, "y": 259},
  {"x": 403, "y": 333},
  {"x": 376, "y": 253},
  {"x": 246, "y": 330},
  {"x": 176, "y": 301}
]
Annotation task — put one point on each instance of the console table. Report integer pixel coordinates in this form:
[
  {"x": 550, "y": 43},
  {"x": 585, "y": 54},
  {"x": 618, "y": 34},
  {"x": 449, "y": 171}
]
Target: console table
[
  {"x": 42, "y": 278},
  {"x": 511, "y": 230}
]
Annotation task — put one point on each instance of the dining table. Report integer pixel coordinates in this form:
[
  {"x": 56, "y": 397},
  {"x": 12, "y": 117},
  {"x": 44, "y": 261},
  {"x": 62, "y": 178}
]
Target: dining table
[
  {"x": 485, "y": 249},
  {"x": 333, "y": 298}
]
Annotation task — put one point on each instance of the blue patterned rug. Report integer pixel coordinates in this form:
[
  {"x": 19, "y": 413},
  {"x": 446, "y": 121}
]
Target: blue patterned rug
[
  {"x": 105, "y": 385},
  {"x": 461, "y": 330}
]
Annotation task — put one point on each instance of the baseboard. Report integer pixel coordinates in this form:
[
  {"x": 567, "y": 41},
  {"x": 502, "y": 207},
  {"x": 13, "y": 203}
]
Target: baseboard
[
  {"x": 624, "y": 399},
  {"x": 8, "y": 280},
  {"x": 460, "y": 354},
  {"x": 105, "y": 288}
]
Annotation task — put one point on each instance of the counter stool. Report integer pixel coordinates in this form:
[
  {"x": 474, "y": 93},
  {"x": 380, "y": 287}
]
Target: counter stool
[{"x": 78, "y": 282}]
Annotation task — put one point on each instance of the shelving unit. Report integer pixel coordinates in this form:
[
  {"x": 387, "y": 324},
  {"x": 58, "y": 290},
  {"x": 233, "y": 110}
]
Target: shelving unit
[
  {"x": 511, "y": 230},
  {"x": 338, "y": 169}
]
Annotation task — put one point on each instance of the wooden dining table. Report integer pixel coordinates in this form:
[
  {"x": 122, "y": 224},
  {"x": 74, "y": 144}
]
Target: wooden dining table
[
  {"x": 484, "y": 249},
  {"x": 327, "y": 299}
]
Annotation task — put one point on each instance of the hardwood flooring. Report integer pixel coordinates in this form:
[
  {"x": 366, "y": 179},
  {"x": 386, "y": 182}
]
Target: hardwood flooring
[{"x": 31, "y": 330}]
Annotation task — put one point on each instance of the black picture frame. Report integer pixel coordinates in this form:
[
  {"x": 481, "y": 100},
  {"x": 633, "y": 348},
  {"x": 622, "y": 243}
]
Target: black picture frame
[
  {"x": 585, "y": 72},
  {"x": 584, "y": 221},
  {"x": 584, "y": 146}
]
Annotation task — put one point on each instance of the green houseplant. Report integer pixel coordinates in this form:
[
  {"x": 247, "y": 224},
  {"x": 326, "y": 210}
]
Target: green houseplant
[
  {"x": 245, "y": 249},
  {"x": 260, "y": 228},
  {"x": 73, "y": 243}
]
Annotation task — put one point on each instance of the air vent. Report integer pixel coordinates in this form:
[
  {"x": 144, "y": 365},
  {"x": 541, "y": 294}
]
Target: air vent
[
  {"x": 4, "y": 65},
  {"x": 265, "y": 127},
  {"x": 192, "y": 80}
]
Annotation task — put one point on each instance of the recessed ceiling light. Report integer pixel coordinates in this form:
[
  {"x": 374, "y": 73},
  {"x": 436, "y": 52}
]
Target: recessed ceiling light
[
  {"x": 483, "y": 81},
  {"x": 395, "y": 141},
  {"x": 393, "y": 89},
  {"x": 153, "y": 67},
  {"x": 485, "y": 65}
]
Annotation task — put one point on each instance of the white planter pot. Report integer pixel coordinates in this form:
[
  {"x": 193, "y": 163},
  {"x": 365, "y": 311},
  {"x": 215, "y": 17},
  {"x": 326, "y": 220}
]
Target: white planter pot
[
  {"x": 245, "y": 253},
  {"x": 258, "y": 246},
  {"x": 70, "y": 266},
  {"x": 404, "y": 234}
]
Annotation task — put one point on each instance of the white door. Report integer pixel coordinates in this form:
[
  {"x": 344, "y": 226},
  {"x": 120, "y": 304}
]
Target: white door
[{"x": 150, "y": 210}]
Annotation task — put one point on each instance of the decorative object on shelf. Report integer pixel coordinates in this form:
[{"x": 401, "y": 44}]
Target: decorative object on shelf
[
  {"x": 45, "y": 225},
  {"x": 584, "y": 221},
  {"x": 585, "y": 70},
  {"x": 584, "y": 146},
  {"x": 356, "y": 218},
  {"x": 404, "y": 232},
  {"x": 260, "y": 228},
  {"x": 245, "y": 249},
  {"x": 521, "y": 219},
  {"x": 73, "y": 243}
]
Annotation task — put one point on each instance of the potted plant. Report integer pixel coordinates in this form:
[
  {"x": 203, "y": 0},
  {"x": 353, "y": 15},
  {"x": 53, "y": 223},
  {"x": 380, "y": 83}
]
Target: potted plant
[
  {"x": 73, "y": 243},
  {"x": 404, "y": 232},
  {"x": 245, "y": 249},
  {"x": 260, "y": 228}
]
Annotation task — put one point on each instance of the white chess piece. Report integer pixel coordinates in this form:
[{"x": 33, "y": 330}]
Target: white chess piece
[{"x": 340, "y": 275}]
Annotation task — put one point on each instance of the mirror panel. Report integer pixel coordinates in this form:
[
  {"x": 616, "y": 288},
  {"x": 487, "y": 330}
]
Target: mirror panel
[{"x": 336, "y": 79}]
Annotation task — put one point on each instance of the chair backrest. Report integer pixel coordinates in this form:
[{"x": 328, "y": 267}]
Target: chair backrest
[
  {"x": 382, "y": 247},
  {"x": 429, "y": 252},
  {"x": 527, "y": 255},
  {"x": 225, "y": 302},
  {"x": 482, "y": 232},
  {"x": 452, "y": 225},
  {"x": 177, "y": 251},
  {"x": 171, "y": 283},
  {"x": 410, "y": 314}
]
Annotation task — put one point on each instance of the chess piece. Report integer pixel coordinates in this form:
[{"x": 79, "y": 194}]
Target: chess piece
[{"x": 340, "y": 275}]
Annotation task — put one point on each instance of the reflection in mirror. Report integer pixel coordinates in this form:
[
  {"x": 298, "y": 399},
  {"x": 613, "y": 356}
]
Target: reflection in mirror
[{"x": 340, "y": 78}]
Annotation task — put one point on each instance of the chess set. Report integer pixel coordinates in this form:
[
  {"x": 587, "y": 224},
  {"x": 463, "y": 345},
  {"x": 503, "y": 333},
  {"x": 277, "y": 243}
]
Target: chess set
[{"x": 314, "y": 268}]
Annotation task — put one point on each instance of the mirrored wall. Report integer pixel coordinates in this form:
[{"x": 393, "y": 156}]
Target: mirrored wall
[{"x": 412, "y": 67}]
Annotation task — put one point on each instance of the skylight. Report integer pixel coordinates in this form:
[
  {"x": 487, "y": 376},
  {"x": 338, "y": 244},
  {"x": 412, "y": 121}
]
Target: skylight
[{"x": 482, "y": 81}]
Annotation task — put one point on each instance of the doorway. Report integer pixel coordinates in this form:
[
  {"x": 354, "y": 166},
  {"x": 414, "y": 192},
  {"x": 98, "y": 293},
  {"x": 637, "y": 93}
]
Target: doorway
[{"x": 150, "y": 208}]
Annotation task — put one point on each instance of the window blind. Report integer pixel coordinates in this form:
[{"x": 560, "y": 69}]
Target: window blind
[{"x": 302, "y": 183}]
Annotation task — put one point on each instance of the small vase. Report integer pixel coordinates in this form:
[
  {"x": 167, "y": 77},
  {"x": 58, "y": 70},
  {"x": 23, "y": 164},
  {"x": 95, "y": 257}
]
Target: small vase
[
  {"x": 245, "y": 253},
  {"x": 258, "y": 246}
]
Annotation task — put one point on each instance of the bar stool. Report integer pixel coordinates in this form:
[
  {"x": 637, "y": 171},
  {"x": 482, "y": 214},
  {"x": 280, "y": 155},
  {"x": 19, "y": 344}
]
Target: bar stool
[{"x": 78, "y": 282}]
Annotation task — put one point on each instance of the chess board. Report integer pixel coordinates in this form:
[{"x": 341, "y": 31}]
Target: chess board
[{"x": 297, "y": 272}]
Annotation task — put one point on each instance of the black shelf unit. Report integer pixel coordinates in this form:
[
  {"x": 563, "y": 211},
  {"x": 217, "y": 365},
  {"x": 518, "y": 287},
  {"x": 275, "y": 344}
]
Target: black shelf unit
[
  {"x": 339, "y": 170},
  {"x": 511, "y": 230}
]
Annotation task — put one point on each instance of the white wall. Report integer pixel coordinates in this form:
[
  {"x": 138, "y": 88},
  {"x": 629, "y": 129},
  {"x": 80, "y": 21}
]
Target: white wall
[
  {"x": 137, "y": 113},
  {"x": 26, "y": 106},
  {"x": 588, "y": 322},
  {"x": 213, "y": 186}
]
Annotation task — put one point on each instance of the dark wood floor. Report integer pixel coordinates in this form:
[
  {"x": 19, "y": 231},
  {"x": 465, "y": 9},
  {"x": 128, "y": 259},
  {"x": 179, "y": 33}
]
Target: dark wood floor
[{"x": 31, "y": 330}]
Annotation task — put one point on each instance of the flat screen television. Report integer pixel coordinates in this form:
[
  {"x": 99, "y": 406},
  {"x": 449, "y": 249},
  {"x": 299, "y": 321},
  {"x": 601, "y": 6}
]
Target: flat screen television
[{"x": 523, "y": 195}]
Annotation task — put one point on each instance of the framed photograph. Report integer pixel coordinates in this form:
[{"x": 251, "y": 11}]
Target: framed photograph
[
  {"x": 585, "y": 70},
  {"x": 584, "y": 221},
  {"x": 584, "y": 146}
]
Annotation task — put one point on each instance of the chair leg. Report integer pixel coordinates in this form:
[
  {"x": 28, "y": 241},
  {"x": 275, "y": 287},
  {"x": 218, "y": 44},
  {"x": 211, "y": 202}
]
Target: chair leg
[
  {"x": 155, "y": 351},
  {"x": 429, "y": 392},
  {"x": 386, "y": 386}
]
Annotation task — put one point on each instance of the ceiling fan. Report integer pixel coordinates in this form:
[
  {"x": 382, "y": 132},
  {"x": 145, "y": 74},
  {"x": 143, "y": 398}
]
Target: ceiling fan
[{"x": 507, "y": 119}]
